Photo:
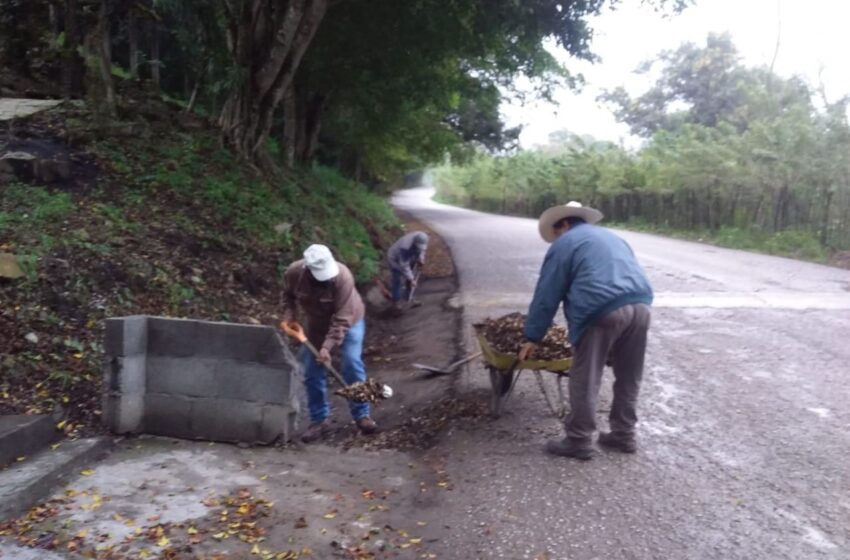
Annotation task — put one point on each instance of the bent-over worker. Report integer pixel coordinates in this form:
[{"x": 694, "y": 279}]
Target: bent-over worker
[
  {"x": 407, "y": 253},
  {"x": 324, "y": 291},
  {"x": 606, "y": 298}
]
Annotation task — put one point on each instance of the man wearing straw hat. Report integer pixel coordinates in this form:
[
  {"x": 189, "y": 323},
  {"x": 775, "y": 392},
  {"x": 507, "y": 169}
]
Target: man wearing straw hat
[
  {"x": 324, "y": 291},
  {"x": 606, "y": 298}
]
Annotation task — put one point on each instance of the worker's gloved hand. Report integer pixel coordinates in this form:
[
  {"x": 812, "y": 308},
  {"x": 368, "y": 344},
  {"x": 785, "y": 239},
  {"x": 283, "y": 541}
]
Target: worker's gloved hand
[
  {"x": 412, "y": 284},
  {"x": 526, "y": 350},
  {"x": 324, "y": 357}
]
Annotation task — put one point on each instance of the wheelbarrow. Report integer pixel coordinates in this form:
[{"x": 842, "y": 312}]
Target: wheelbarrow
[{"x": 504, "y": 371}]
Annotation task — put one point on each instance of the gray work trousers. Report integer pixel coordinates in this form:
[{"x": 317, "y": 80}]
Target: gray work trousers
[{"x": 622, "y": 334}]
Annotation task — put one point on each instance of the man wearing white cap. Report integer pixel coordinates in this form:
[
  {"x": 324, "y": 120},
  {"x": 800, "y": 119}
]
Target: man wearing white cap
[
  {"x": 606, "y": 298},
  {"x": 324, "y": 291},
  {"x": 405, "y": 254}
]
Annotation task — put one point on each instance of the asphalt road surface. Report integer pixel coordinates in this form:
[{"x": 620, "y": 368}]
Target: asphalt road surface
[{"x": 744, "y": 426}]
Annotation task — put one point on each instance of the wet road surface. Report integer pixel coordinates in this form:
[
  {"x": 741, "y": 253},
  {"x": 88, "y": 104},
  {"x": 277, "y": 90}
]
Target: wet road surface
[{"x": 744, "y": 413}]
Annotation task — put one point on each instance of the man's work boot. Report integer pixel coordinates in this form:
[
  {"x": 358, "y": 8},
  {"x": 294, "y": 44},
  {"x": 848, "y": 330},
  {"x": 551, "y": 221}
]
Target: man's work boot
[
  {"x": 366, "y": 425},
  {"x": 623, "y": 443},
  {"x": 316, "y": 431},
  {"x": 568, "y": 447}
]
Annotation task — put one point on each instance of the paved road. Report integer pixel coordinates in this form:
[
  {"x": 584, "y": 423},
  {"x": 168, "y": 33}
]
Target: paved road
[{"x": 745, "y": 413}]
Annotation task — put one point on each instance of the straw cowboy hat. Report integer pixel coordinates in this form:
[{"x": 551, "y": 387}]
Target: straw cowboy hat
[{"x": 571, "y": 209}]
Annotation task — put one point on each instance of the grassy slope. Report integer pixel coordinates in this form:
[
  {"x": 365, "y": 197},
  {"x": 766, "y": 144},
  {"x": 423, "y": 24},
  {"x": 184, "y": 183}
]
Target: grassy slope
[{"x": 157, "y": 221}]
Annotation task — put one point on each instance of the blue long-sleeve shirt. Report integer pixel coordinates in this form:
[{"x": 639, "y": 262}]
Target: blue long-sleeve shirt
[{"x": 592, "y": 272}]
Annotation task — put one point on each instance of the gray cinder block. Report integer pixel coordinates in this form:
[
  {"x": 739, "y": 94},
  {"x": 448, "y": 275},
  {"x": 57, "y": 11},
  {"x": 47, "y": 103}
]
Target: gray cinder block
[
  {"x": 124, "y": 414},
  {"x": 278, "y": 421},
  {"x": 199, "y": 379},
  {"x": 226, "y": 420},
  {"x": 169, "y": 415},
  {"x": 126, "y": 336}
]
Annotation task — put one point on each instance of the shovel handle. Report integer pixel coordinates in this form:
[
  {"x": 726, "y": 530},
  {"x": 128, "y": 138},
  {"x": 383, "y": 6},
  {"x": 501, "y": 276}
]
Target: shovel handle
[
  {"x": 413, "y": 289},
  {"x": 294, "y": 330}
]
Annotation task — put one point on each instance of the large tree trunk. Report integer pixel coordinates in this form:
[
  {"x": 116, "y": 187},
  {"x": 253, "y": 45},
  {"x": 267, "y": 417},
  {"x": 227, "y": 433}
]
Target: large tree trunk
[
  {"x": 103, "y": 21},
  {"x": 53, "y": 15},
  {"x": 155, "y": 63},
  {"x": 267, "y": 40},
  {"x": 194, "y": 97},
  {"x": 309, "y": 142},
  {"x": 100, "y": 90},
  {"x": 72, "y": 69},
  {"x": 133, "y": 42},
  {"x": 290, "y": 129}
]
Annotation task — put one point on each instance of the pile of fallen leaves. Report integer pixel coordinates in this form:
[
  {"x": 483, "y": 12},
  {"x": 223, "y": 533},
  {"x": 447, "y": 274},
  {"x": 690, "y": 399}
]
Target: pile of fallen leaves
[
  {"x": 370, "y": 391},
  {"x": 505, "y": 336},
  {"x": 238, "y": 518},
  {"x": 421, "y": 430}
]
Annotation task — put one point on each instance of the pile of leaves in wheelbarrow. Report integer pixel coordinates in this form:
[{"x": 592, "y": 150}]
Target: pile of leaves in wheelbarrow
[{"x": 505, "y": 335}]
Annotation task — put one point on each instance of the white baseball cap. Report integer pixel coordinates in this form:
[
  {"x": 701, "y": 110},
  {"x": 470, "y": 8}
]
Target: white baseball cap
[{"x": 321, "y": 263}]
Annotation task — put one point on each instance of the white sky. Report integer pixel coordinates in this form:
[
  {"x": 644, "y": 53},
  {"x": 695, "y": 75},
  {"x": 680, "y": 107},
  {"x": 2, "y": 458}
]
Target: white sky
[{"x": 814, "y": 37}]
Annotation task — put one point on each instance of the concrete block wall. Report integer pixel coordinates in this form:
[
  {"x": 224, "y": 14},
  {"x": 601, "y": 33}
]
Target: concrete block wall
[{"x": 199, "y": 380}]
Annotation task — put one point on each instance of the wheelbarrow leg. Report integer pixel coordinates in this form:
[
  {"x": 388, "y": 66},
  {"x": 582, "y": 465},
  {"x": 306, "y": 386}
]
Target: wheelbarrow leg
[
  {"x": 502, "y": 384},
  {"x": 559, "y": 408}
]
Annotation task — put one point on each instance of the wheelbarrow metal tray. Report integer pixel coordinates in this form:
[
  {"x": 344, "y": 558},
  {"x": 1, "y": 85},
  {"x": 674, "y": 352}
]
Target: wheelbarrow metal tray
[{"x": 502, "y": 361}]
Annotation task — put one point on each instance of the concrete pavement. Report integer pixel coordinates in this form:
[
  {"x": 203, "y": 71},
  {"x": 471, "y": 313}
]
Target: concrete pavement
[{"x": 745, "y": 412}]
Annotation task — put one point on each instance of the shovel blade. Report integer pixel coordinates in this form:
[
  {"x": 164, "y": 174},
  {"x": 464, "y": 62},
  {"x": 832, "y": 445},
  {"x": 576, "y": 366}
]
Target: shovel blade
[{"x": 430, "y": 369}]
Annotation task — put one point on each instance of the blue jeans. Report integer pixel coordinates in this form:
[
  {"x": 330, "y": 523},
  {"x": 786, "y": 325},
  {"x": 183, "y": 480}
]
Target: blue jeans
[
  {"x": 399, "y": 285},
  {"x": 353, "y": 370}
]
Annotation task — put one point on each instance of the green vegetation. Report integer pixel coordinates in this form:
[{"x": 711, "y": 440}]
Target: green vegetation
[
  {"x": 171, "y": 224},
  {"x": 735, "y": 155},
  {"x": 371, "y": 87}
]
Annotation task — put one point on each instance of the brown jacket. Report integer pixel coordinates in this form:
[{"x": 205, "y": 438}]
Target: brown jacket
[{"x": 330, "y": 310}]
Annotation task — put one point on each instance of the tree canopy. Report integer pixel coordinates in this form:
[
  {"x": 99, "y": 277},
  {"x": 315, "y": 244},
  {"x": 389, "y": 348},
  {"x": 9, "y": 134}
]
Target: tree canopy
[
  {"x": 728, "y": 148},
  {"x": 374, "y": 86}
]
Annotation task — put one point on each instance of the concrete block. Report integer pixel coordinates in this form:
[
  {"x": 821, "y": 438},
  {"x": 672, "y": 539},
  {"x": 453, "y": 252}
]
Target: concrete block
[
  {"x": 231, "y": 341},
  {"x": 126, "y": 375},
  {"x": 124, "y": 414},
  {"x": 186, "y": 376},
  {"x": 253, "y": 382},
  {"x": 126, "y": 336},
  {"x": 22, "y": 435},
  {"x": 274, "y": 351},
  {"x": 199, "y": 379},
  {"x": 211, "y": 377},
  {"x": 278, "y": 421},
  {"x": 169, "y": 415},
  {"x": 226, "y": 420},
  {"x": 173, "y": 337}
]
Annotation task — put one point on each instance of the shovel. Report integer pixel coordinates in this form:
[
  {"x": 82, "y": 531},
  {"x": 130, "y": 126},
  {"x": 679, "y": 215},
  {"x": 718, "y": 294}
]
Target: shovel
[
  {"x": 371, "y": 389},
  {"x": 449, "y": 368},
  {"x": 413, "y": 289}
]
